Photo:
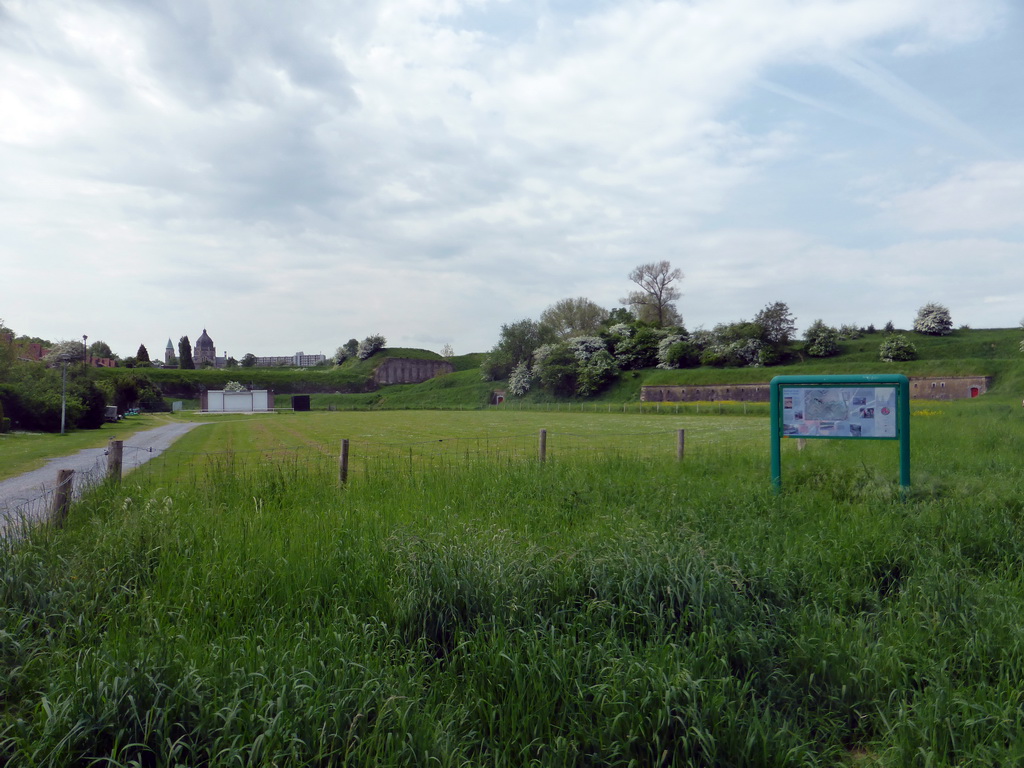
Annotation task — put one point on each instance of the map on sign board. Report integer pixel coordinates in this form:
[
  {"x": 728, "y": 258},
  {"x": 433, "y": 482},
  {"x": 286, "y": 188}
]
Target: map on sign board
[{"x": 839, "y": 412}]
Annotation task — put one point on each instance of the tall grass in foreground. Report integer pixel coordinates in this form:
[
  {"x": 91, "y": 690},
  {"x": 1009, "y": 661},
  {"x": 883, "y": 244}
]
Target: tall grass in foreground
[{"x": 604, "y": 611}]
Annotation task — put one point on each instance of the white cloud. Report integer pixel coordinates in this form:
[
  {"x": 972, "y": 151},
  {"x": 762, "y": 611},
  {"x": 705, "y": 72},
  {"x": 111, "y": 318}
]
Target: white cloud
[
  {"x": 983, "y": 197},
  {"x": 274, "y": 172}
]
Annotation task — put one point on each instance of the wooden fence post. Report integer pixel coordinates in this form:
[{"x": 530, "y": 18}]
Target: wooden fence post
[
  {"x": 62, "y": 497},
  {"x": 343, "y": 463},
  {"x": 115, "y": 456},
  {"x": 543, "y": 445},
  {"x": 680, "y": 444}
]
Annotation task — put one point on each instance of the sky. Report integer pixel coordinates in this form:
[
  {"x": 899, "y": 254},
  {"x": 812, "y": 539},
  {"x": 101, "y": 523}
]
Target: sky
[{"x": 292, "y": 175}]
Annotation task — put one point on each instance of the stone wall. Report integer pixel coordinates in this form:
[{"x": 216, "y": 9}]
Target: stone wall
[
  {"x": 401, "y": 370},
  {"x": 948, "y": 388},
  {"x": 747, "y": 393}
]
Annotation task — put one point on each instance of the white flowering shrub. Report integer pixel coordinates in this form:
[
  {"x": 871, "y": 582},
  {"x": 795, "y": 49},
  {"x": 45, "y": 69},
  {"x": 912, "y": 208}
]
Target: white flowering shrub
[
  {"x": 746, "y": 353},
  {"x": 822, "y": 340},
  {"x": 621, "y": 330},
  {"x": 934, "y": 320},
  {"x": 595, "y": 373},
  {"x": 897, "y": 348},
  {"x": 234, "y": 386},
  {"x": 369, "y": 345},
  {"x": 540, "y": 354},
  {"x": 849, "y": 332},
  {"x": 585, "y": 347},
  {"x": 663, "y": 347},
  {"x": 520, "y": 379}
]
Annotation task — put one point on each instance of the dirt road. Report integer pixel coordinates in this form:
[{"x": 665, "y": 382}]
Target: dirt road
[{"x": 25, "y": 499}]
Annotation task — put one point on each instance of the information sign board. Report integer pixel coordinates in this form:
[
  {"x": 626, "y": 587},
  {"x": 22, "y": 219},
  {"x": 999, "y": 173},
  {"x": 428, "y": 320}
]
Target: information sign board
[{"x": 873, "y": 407}]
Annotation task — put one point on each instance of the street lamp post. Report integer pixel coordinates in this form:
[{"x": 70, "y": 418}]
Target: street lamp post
[{"x": 63, "y": 394}]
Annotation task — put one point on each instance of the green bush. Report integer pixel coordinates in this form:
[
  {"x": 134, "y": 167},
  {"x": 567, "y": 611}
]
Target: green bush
[{"x": 897, "y": 348}]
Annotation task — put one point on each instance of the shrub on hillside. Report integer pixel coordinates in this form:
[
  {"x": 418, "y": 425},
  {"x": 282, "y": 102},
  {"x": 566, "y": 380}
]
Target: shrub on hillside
[
  {"x": 822, "y": 340},
  {"x": 370, "y": 345},
  {"x": 897, "y": 348},
  {"x": 934, "y": 320}
]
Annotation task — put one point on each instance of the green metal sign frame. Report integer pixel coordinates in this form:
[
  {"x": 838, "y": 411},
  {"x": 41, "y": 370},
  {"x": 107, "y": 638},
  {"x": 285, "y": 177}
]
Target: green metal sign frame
[{"x": 842, "y": 391}]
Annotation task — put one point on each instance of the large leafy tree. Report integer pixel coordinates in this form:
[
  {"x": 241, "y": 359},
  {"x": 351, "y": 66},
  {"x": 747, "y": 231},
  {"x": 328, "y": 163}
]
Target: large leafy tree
[
  {"x": 185, "y": 361},
  {"x": 574, "y": 317},
  {"x": 777, "y": 322},
  {"x": 516, "y": 344},
  {"x": 654, "y": 303},
  {"x": 143, "y": 354},
  {"x": 100, "y": 349}
]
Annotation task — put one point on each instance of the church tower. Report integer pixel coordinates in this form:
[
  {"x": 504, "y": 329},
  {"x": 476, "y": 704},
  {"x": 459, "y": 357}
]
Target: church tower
[
  {"x": 169, "y": 353},
  {"x": 204, "y": 351}
]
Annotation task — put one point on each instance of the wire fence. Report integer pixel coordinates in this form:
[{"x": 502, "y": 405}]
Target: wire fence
[
  {"x": 45, "y": 502},
  {"x": 341, "y": 460}
]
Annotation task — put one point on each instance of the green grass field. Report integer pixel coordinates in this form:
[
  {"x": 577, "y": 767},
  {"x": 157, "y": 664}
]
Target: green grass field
[{"x": 458, "y": 603}]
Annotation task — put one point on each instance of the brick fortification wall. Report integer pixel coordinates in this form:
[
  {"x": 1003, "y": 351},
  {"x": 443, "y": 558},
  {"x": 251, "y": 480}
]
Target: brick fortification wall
[
  {"x": 400, "y": 370},
  {"x": 948, "y": 388}
]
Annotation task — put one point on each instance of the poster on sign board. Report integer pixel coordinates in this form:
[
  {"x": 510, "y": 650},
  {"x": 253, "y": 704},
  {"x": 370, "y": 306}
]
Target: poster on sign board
[{"x": 839, "y": 412}]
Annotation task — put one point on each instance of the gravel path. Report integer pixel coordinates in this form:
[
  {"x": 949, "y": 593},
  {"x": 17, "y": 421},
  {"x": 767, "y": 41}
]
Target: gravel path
[{"x": 25, "y": 499}]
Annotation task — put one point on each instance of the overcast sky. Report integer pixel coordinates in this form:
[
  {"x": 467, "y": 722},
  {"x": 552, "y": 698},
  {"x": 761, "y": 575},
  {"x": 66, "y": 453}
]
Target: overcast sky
[{"x": 292, "y": 175}]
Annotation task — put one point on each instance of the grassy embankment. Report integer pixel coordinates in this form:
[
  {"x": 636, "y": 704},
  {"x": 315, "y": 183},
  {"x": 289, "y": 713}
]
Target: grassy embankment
[{"x": 599, "y": 610}]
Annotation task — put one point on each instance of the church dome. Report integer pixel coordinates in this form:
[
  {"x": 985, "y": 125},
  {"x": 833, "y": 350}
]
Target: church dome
[{"x": 204, "y": 341}]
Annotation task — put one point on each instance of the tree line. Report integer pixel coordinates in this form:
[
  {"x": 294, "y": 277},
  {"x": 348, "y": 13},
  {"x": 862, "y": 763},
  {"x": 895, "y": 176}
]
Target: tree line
[{"x": 578, "y": 348}]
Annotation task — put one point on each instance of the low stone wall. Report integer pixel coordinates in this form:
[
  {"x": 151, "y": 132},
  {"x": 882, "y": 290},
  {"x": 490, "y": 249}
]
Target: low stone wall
[
  {"x": 746, "y": 393},
  {"x": 948, "y": 388},
  {"x": 402, "y": 370}
]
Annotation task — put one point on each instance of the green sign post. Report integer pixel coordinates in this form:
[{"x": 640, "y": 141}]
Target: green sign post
[{"x": 871, "y": 407}]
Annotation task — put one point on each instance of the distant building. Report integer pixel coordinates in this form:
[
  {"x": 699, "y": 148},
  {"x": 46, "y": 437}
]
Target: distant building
[
  {"x": 204, "y": 351},
  {"x": 298, "y": 360},
  {"x": 169, "y": 354}
]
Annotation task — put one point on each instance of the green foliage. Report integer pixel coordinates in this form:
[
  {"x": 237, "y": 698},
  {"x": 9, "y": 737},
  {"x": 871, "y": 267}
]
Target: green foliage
[
  {"x": 31, "y": 398},
  {"x": 897, "y": 347},
  {"x": 143, "y": 354},
  {"x": 682, "y": 354},
  {"x": 574, "y": 317},
  {"x": 556, "y": 369},
  {"x": 637, "y": 350},
  {"x": 102, "y": 349},
  {"x": 516, "y": 344},
  {"x": 248, "y": 360},
  {"x": 185, "y": 361},
  {"x": 822, "y": 340},
  {"x": 777, "y": 323}
]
